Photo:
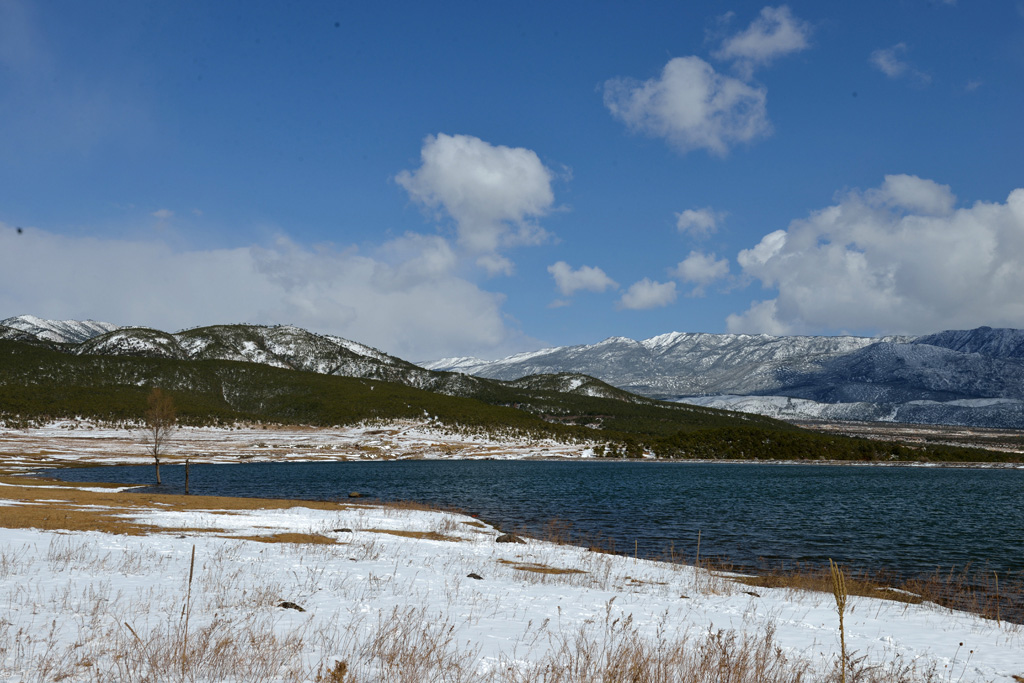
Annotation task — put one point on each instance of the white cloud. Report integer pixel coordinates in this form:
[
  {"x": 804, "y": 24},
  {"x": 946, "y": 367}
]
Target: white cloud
[
  {"x": 701, "y": 269},
  {"x": 586, "y": 278},
  {"x": 898, "y": 258},
  {"x": 163, "y": 214},
  {"x": 889, "y": 62},
  {"x": 760, "y": 318},
  {"x": 403, "y": 297},
  {"x": 698, "y": 222},
  {"x": 648, "y": 294},
  {"x": 690, "y": 105},
  {"x": 775, "y": 32},
  {"x": 911, "y": 193},
  {"x": 492, "y": 193}
]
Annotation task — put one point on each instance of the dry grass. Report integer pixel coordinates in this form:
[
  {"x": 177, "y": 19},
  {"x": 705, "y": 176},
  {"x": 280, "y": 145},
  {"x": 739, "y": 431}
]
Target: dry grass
[
  {"x": 537, "y": 568},
  {"x": 235, "y": 633},
  {"x": 72, "y": 509},
  {"x": 61, "y": 506},
  {"x": 421, "y": 535},
  {"x": 311, "y": 539},
  {"x": 980, "y": 592},
  {"x": 820, "y": 581}
]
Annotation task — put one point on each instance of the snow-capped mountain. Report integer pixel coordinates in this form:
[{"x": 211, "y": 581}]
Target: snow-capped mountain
[
  {"x": 961, "y": 377},
  {"x": 57, "y": 331},
  {"x": 675, "y": 364},
  {"x": 281, "y": 346},
  {"x": 970, "y": 377}
]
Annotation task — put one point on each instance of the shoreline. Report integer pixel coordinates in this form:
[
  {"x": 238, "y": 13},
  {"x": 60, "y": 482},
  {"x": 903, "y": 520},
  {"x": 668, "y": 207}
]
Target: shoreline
[
  {"x": 360, "y": 571},
  {"x": 118, "y": 448},
  {"x": 965, "y": 586},
  {"x": 76, "y": 442}
]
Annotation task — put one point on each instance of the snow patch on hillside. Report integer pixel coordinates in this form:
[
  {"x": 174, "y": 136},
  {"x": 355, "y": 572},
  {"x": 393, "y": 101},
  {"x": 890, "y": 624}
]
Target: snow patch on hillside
[{"x": 60, "y": 331}]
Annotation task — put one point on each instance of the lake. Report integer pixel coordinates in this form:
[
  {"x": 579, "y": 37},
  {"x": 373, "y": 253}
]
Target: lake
[{"x": 906, "y": 519}]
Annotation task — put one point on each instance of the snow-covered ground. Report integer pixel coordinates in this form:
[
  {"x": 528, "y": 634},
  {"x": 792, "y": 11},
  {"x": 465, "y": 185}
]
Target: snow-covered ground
[
  {"x": 84, "y": 442},
  {"x": 394, "y": 590},
  {"x": 399, "y": 594}
]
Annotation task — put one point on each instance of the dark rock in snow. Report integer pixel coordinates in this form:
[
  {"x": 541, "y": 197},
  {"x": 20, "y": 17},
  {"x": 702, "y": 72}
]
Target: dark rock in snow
[{"x": 508, "y": 538}]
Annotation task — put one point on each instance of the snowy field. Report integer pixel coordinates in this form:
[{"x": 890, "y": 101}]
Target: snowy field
[
  {"x": 403, "y": 594},
  {"x": 390, "y": 593},
  {"x": 81, "y": 442}
]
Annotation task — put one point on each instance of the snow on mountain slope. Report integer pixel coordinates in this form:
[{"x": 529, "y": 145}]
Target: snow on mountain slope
[
  {"x": 132, "y": 341},
  {"x": 963, "y": 377},
  {"x": 674, "y": 364},
  {"x": 943, "y": 378},
  {"x": 1000, "y": 343},
  {"x": 281, "y": 346},
  {"x": 60, "y": 331},
  {"x": 897, "y": 373},
  {"x": 993, "y": 413},
  {"x": 14, "y": 334}
]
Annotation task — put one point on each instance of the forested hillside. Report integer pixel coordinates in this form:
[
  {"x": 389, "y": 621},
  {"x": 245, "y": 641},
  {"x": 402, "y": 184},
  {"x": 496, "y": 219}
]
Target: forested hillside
[{"x": 39, "y": 384}]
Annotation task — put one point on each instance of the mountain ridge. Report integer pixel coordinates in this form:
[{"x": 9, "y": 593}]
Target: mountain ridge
[
  {"x": 279, "y": 346},
  {"x": 954, "y": 377},
  {"x": 957, "y": 377}
]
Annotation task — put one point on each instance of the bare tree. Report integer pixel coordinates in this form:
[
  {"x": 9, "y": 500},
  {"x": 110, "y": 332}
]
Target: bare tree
[{"x": 161, "y": 420}]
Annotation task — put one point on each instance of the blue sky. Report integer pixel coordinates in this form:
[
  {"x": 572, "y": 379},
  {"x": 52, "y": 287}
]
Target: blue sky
[{"x": 442, "y": 179}]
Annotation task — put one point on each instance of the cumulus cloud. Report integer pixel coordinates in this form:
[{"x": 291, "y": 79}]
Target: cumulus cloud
[
  {"x": 775, "y": 32},
  {"x": 163, "y": 214},
  {"x": 899, "y": 258},
  {"x": 403, "y": 296},
  {"x": 698, "y": 223},
  {"x": 646, "y": 294},
  {"x": 912, "y": 194},
  {"x": 690, "y": 105},
  {"x": 701, "y": 269},
  {"x": 760, "y": 318},
  {"x": 493, "y": 193},
  {"x": 890, "y": 62},
  {"x": 585, "y": 278}
]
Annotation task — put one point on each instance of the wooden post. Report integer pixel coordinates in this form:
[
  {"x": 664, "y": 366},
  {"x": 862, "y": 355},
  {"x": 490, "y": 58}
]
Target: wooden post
[{"x": 186, "y": 476}]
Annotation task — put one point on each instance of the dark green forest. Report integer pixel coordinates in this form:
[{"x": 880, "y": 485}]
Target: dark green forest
[{"x": 39, "y": 384}]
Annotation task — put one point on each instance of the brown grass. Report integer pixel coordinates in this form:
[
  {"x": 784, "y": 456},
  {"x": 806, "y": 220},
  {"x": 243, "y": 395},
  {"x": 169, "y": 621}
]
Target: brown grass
[
  {"x": 981, "y": 592},
  {"x": 819, "y": 581},
  {"x": 314, "y": 539},
  {"x": 422, "y": 535},
  {"x": 67, "y": 508},
  {"x": 537, "y": 568}
]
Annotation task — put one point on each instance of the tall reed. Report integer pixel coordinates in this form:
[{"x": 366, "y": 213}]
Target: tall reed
[{"x": 840, "y": 594}]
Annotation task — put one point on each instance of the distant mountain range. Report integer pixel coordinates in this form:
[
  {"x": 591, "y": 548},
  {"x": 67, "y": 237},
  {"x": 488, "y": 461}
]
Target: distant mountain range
[
  {"x": 967, "y": 377},
  {"x": 280, "y": 346},
  {"x": 963, "y": 377}
]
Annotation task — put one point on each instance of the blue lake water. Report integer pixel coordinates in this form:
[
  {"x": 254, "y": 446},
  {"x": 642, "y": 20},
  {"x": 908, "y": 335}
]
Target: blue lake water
[{"x": 906, "y": 519}]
